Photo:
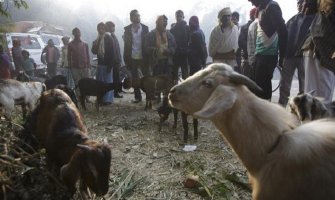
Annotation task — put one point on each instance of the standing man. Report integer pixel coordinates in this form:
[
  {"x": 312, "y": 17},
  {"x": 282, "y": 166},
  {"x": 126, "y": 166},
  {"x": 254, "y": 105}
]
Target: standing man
[
  {"x": 181, "y": 33},
  {"x": 110, "y": 27},
  {"x": 197, "y": 50},
  {"x": 161, "y": 44},
  {"x": 235, "y": 18},
  {"x": 134, "y": 56},
  {"x": 78, "y": 58},
  {"x": 17, "y": 57},
  {"x": 65, "y": 63},
  {"x": 243, "y": 40},
  {"x": 103, "y": 48},
  {"x": 51, "y": 58},
  {"x": 298, "y": 29},
  {"x": 271, "y": 37},
  {"x": 5, "y": 65},
  {"x": 223, "y": 41}
]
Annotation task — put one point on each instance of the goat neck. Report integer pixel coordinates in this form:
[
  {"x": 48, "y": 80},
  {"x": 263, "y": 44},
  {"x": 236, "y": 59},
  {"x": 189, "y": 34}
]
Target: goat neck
[{"x": 253, "y": 127}]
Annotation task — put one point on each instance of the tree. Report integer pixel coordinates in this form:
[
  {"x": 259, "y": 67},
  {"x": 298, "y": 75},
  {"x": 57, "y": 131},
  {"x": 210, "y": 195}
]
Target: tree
[{"x": 4, "y": 4}]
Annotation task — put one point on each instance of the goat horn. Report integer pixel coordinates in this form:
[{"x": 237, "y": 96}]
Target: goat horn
[
  {"x": 84, "y": 147},
  {"x": 240, "y": 79}
]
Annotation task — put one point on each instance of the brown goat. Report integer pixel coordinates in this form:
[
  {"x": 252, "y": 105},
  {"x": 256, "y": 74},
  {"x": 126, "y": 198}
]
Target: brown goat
[
  {"x": 59, "y": 128},
  {"x": 284, "y": 161},
  {"x": 151, "y": 85}
]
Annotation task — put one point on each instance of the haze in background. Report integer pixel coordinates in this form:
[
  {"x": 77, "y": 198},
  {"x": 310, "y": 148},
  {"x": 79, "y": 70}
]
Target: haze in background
[{"x": 86, "y": 14}]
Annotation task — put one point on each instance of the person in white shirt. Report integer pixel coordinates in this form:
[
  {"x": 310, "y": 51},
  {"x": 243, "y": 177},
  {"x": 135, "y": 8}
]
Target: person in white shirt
[{"x": 223, "y": 41}]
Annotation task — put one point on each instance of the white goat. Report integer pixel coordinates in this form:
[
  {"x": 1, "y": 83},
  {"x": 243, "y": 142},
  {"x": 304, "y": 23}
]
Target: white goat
[
  {"x": 13, "y": 92},
  {"x": 284, "y": 162}
]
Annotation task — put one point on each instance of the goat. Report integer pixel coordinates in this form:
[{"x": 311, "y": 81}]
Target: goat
[
  {"x": 308, "y": 108},
  {"x": 59, "y": 128},
  {"x": 13, "y": 92},
  {"x": 54, "y": 81},
  {"x": 23, "y": 77},
  {"x": 284, "y": 161},
  {"x": 151, "y": 85},
  {"x": 92, "y": 87},
  {"x": 69, "y": 92},
  {"x": 164, "y": 111}
]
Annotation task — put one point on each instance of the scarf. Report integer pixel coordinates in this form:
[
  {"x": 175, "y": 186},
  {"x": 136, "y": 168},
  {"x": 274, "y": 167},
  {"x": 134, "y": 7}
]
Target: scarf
[
  {"x": 101, "y": 47},
  {"x": 161, "y": 38}
]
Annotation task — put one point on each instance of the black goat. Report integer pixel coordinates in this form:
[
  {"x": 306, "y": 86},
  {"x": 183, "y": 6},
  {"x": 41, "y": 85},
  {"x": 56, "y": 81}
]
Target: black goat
[
  {"x": 70, "y": 92},
  {"x": 56, "y": 80},
  {"x": 92, "y": 87},
  {"x": 164, "y": 111}
]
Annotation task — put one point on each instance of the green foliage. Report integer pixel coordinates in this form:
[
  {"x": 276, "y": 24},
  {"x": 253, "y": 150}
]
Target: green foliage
[{"x": 17, "y": 3}]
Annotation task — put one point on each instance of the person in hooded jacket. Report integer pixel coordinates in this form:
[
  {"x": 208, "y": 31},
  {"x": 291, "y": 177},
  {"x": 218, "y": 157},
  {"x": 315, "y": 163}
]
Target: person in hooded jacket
[{"x": 181, "y": 33}]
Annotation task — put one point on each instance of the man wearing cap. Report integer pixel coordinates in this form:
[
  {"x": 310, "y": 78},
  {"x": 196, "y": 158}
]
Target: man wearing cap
[
  {"x": 271, "y": 41},
  {"x": 223, "y": 41}
]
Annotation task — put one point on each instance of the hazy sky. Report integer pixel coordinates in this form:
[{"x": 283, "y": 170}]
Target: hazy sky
[{"x": 151, "y": 8}]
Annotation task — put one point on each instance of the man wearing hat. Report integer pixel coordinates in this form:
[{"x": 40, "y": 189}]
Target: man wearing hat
[{"x": 223, "y": 41}]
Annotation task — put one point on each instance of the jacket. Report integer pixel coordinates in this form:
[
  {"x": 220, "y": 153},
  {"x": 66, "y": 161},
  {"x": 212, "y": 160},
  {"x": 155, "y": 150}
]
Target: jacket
[
  {"x": 128, "y": 42},
  {"x": 271, "y": 21},
  {"x": 181, "y": 33},
  {"x": 151, "y": 49}
]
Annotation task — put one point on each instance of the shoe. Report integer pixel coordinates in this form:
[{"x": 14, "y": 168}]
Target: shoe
[
  {"x": 136, "y": 100},
  {"x": 118, "y": 95}
]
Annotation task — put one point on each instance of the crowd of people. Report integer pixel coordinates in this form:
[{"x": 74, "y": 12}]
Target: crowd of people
[{"x": 254, "y": 49}]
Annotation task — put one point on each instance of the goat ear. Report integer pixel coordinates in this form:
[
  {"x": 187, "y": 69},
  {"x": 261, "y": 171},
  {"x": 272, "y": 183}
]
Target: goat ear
[
  {"x": 93, "y": 169},
  {"x": 221, "y": 99},
  {"x": 241, "y": 79},
  {"x": 71, "y": 172}
]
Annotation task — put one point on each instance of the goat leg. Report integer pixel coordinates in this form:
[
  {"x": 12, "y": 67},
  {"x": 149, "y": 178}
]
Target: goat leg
[
  {"x": 99, "y": 102},
  {"x": 195, "y": 128},
  {"x": 185, "y": 125},
  {"x": 82, "y": 101},
  {"x": 175, "y": 118},
  {"x": 24, "y": 111}
]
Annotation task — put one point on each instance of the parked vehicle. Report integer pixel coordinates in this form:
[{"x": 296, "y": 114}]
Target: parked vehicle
[
  {"x": 31, "y": 42},
  {"x": 57, "y": 39}
]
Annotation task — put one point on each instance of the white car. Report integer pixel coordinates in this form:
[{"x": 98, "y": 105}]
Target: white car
[
  {"x": 31, "y": 42},
  {"x": 57, "y": 39}
]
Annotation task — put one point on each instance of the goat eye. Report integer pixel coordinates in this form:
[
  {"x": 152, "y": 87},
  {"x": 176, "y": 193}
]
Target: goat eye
[{"x": 207, "y": 83}]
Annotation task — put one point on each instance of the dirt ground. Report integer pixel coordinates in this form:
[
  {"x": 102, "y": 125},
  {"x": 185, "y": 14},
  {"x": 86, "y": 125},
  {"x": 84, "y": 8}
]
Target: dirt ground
[
  {"x": 151, "y": 165},
  {"x": 155, "y": 162}
]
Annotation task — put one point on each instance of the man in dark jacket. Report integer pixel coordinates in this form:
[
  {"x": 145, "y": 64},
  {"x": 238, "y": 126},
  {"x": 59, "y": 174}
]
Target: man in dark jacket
[
  {"x": 298, "y": 28},
  {"x": 110, "y": 27},
  {"x": 180, "y": 31},
  {"x": 271, "y": 41},
  {"x": 134, "y": 55}
]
